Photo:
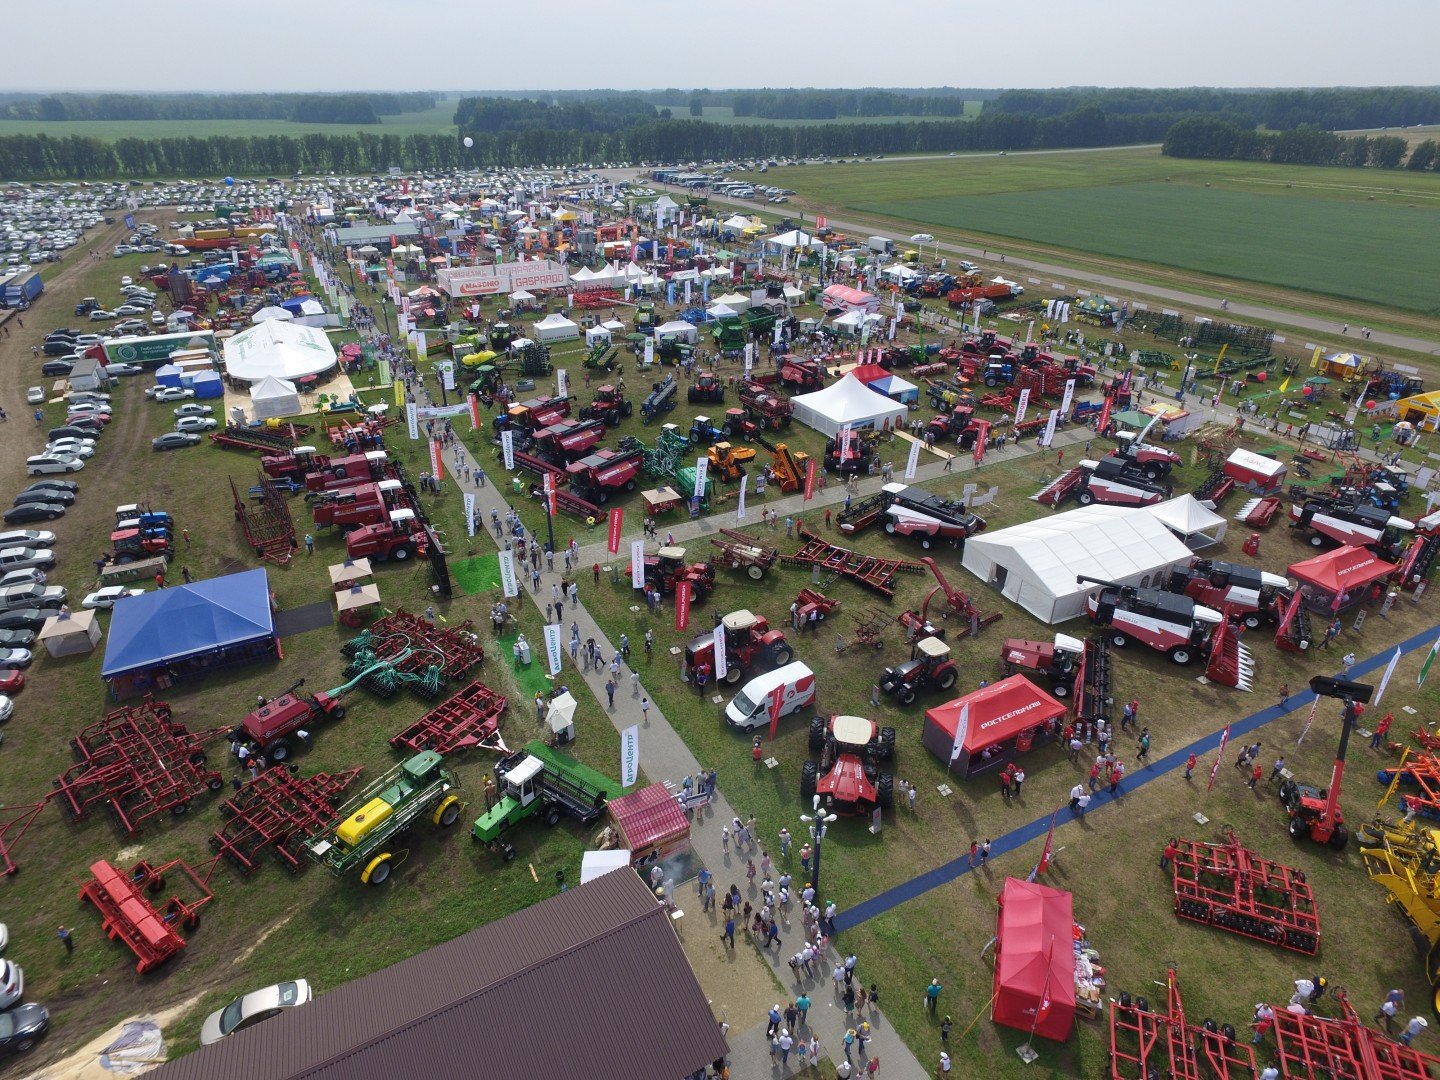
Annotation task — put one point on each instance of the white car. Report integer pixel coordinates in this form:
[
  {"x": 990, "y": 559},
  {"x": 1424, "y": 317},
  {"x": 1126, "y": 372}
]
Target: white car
[
  {"x": 27, "y": 538},
  {"x": 12, "y": 983},
  {"x": 251, "y": 1009},
  {"x": 35, "y": 396},
  {"x": 70, "y": 448},
  {"x": 6, "y": 708},
  {"x": 126, "y": 280},
  {"x": 101, "y": 315},
  {"x": 46, "y": 464},
  {"x": 196, "y": 423},
  {"x": 169, "y": 393},
  {"x": 157, "y": 318},
  {"x": 123, "y": 369},
  {"x": 194, "y": 408},
  {"x": 104, "y": 599}
]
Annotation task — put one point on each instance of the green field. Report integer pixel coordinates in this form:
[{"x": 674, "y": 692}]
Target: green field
[
  {"x": 430, "y": 121},
  {"x": 1348, "y": 233},
  {"x": 724, "y": 114}
]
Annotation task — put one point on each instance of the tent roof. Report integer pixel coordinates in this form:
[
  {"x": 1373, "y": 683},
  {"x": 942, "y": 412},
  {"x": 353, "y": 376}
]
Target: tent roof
[
  {"x": 1258, "y": 464},
  {"x": 848, "y": 401},
  {"x": 63, "y": 626},
  {"x": 278, "y": 348},
  {"x": 270, "y": 387},
  {"x": 1343, "y": 570},
  {"x": 647, "y": 816},
  {"x": 792, "y": 239},
  {"x": 892, "y": 384},
  {"x": 158, "y": 627},
  {"x": 868, "y": 373},
  {"x": 554, "y": 322},
  {"x": 998, "y": 712},
  {"x": 1035, "y": 960},
  {"x": 1184, "y": 514}
]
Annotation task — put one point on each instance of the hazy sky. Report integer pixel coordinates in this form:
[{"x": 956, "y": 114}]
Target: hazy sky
[{"x": 565, "y": 44}]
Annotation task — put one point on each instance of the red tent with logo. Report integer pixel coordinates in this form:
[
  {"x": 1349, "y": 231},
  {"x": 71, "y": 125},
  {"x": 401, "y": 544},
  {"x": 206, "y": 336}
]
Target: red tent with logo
[
  {"x": 1344, "y": 573},
  {"x": 1035, "y": 960},
  {"x": 1002, "y": 722}
]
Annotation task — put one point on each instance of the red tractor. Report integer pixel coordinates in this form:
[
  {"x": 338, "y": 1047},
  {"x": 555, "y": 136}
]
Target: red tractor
[
  {"x": 748, "y": 641},
  {"x": 273, "y": 723},
  {"x": 706, "y": 388},
  {"x": 667, "y": 568},
  {"x": 398, "y": 538},
  {"x": 848, "y": 775},
  {"x": 132, "y": 544},
  {"x": 610, "y": 405},
  {"x": 1058, "y": 662},
  {"x": 930, "y": 666}
]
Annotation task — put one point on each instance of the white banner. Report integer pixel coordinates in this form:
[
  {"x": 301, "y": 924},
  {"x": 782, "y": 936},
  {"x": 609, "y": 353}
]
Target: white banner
[
  {"x": 740, "y": 506},
  {"x": 702, "y": 466},
  {"x": 1050, "y": 427},
  {"x": 413, "y": 420},
  {"x": 649, "y": 351},
  {"x": 507, "y": 444},
  {"x": 1022, "y": 405},
  {"x": 553, "y": 650},
  {"x": 1385, "y": 679},
  {"x": 721, "y": 665},
  {"x": 502, "y": 278},
  {"x": 749, "y": 357},
  {"x": 1069, "y": 396},
  {"x": 469, "y": 513},
  {"x": 422, "y": 346},
  {"x": 562, "y": 382},
  {"x": 509, "y": 583},
  {"x": 630, "y": 755},
  {"x": 637, "y": 564},
  {"x": 426, "y": 412},
  {"x": 962, "y": 727},
  {"x": 913, "y": 460}
]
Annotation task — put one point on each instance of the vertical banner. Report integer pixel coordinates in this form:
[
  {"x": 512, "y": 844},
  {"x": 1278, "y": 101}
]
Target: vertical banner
[
  {"x": 507, "y": 445},
  {"x": 562, "y": 382},
  {"x": 1429, "y": 659},
  {"x": 630, "y": 755},
  {"x": 722, "y": 659},
  {"x": 412, "y": 420},
  {"x": 637, "y": 564},
  {"x": 1022, "y": 405},
  {"x": 1069, "y": 395},
  {"x": 682, "y": 605},
  {"x": 553, "y": 649},
  {"x": 474, "y": 412},
  {"x": 1220, "y": 753},
  {"x": 777, "y": 699},
  {"x": 1309, "y": 720},
  {"x": 469, "y": 513},
  {"x": 509, "y": 583},
  {"x": 1050, "y": 427},
  {"x": 740, "y": 505},
  {"x": 649, "y": 351},
  {"x": 399, "y": 391},
  {"x": 437, "y": 460},
  {"x": 749, "y": 357},
  {"x": 962, "y": 728},
  {"x": 702, "y": 466},
  {"x": 548, "y": 485},
  {"x": 1385, "y": 679},
  {"x": 913, "y": 460},
  {"x": 845, "y": 436},
  {"x": 617, "y": 522},
  {"x": 809, "y": 480}
]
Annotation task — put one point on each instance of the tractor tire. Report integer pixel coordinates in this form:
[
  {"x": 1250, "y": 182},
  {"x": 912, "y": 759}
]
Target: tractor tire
[
  {"x": 552, "y": 816},
  {"x": 124, "y": 560},
  {"x": 191, "y": 921},
  {"x": 947, "y": 678},
  {"x": 817, "y": 734},
  {"x": 734, "y": 674},
  {"x": 1181, "y": 655},
  {"x": 782, "y": 655},
  {"x": 1060, "y": 690},
  {"x": 1153, "y": 472},
  {"x": 215, "y": 783},
  {"x": 1252, "y": 621},
  {"x": 449, "y": 813},
  {"x": 698, "y": 595},
  {"x": 1119, "y": 640},
  {"x": 907, "y": 696},
  {"x": 1085, "y": 498},
  {"x": 629, "y": 486},
  {"x": 756, "y": 571},
  {"x": 1289, "y": 793},
  {"x": 602, "y": 497},
  {"x": 378, "y": 872},
  {"x": 890, "y": 527},
  {"x": 279, "y": 751},
  {"x": 1316, "y": 540},
  {"x": 1339, "y": 838},
  {"x": 1298, "y": 829},
  {"x": 809, "y": 778},
  {"x": 885, "y": 747},
  {"x": 925, "y": 543},
  {"x": 401, "y": 553},
  {"x": 337, "y": 713},
  {"x": 179, "y": 809},
  {"x": 626, "y": 408},
  {"x": 885, "y": 791}
]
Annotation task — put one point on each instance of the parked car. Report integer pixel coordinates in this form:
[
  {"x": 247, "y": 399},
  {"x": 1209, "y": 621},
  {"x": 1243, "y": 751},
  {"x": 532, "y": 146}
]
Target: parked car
[
  {"x": 56, "y": 367},
  {"x": 130, "y": 326},
  {"x": 22, "y": 1026},
  {"x": 252, "y": 1008},
  {"x": 86, "y": 424},
  {"x": 194, "y": 408},
  {"x": 21, "y": 619},
  {"x": 41, "y": 464},
  {"x": 72, "y": 430},
  {"x": 12, "y": 983},
  {"x": 29, "y": 512},
  {"x": 15, "y": 658},
  {"x": 32, "y": 596},
  {"x": 175, "y": 440},
  {"x": 35, "y": 396},
  {"x": 17, "y": 639},
  {"x": 20, "y": 558},
  {"x": 101, "y": 315},
  {"x": 196, "y": 423},
  {"x": 7, "y": 707},
  {"x": 104, "y": 599},
  {"x": 71, "y": 448},
  {"x": 125, "y": 369},
  {"x": 169, "y": 393},
  {"x": 27, "y": 537},
  {"x": 12, "y": 681},
  {"x": 31, "y": 575}
]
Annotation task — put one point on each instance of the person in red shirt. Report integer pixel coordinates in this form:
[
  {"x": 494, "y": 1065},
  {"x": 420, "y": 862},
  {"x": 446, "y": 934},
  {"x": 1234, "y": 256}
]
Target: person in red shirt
[
  {"x": 1189, "y": 766},
  {"x": 1255, "y": 776},
  {"x": 1381, "y": 730},
  {"x": 1168, "y": 855},
  {"x": 1005, "y": 782}
]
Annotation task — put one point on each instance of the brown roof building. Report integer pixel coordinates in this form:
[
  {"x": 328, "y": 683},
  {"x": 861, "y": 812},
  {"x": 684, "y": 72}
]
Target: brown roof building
[{"x": 592, "y": 982}]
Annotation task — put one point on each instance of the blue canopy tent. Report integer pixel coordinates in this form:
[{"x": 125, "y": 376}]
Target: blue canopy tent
[{"x": 166, "y": 636}]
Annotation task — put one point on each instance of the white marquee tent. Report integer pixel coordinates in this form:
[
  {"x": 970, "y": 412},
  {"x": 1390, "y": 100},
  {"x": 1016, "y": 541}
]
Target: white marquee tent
[
  {"x": 1188, "y": 519},
  {"x": 791, "y": 240},
  {"x": 1036, "y": 564},
  {"x": 848, "y": 401},
  {"x": 272, "y": 397},
  {"x": 555, "y": 328},
  {"x": 282, "y": 349},
  {"x": 678, "y": 328}
]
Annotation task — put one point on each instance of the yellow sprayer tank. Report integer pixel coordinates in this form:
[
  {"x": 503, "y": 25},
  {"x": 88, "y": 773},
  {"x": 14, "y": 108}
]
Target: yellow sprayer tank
[{"x": 361, "y": 823}]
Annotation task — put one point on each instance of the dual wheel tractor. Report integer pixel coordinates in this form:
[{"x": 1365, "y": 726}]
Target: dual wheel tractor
[{"x": 848, "y": 775}]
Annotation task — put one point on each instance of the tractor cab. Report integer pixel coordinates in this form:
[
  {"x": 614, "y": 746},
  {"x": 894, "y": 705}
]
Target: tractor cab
[
  {"x": 521, "y": 782},
  {"x": 1058, "y": 660},
  {"x": 930, "y": 665},
  {"x": 848, "y": 775}
]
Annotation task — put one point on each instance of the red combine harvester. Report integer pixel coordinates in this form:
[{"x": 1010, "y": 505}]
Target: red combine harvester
[
  {"x": 1111, "y": 481},
  {"x": 748, "y": 641},
  {"x": 848, "y": 776},
  {"x": 603, "y": 473},
  {"x": 913, "y": 512},
  {"x": 1242, "y": 592},
  {"x": 1333, "y": 522},
  {"x": 347, "y": 509},
  {"x": 1153, "y": 462},
  {"x": 1058, "y": 662},
  {"x": 568, "y": 440},
  {"x": 351, "y": 469},
  {"x": 398, "y": 538}
]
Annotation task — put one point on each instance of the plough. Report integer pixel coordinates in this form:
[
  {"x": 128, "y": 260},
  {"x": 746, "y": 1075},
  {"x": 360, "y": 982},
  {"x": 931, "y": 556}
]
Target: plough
[
  {"x": 470, "y": 718},
  {"x": 260, "y": 440},
  {"x": 1230, "y": 887},
  {"x": 276, "y": 812},
  {"x": 1307, "y": 1045},
  {"x": 875, "y": 574},
  {"x": 1145, "y": 1043}
]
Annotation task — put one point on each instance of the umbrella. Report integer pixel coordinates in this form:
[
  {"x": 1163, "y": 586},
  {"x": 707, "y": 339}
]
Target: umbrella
[
  {"x": 379, "y": 409},
  {"x": 922, "y": 238},
  {"x": 357, "y": 596},
  {"x": 1318, "y": 380},
  {"x": 341, "y": 573},
  {"x": 561, "y": 714}
]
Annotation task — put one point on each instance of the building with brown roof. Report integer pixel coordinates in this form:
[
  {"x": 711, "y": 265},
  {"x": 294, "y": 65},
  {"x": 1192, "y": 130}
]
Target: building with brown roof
[{"x": 592, "y": 982}]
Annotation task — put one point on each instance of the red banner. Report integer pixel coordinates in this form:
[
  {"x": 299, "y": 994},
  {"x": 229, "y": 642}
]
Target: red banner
[
  {"x": 809, "y": 480},
  {"x": 550, "y": 494},
  {"x": 617, "y": 522},
  {"x": 777, "y": 698},
  {"x": 1220, "y": 753},
  {"x": 1049, "y": 847},
  {"x": 682, "y": 605},
  {"x": 437, "y": 461},
  {"x": 820, "y": 221},
  {"x": 474, "y": 412}
]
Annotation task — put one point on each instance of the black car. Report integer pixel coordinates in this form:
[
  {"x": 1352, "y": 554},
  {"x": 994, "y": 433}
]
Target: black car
[
  {"x": 58, "y": 346},
  {"x": 16, "y": 639},
  {"x": 22, "y": 1026},
  {"x": 72, "y": 430},
  {"x": 45, "y": 495},
  {"x": 56, "y": 367},
  {"x": 58, "y": 485},
  {"x": 23, "y": 619},
  {"x": 28, "y": 512}
]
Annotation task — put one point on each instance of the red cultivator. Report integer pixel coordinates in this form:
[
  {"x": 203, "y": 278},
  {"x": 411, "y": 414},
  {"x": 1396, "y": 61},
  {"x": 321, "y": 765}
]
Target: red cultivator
[
  {"x": 470, "y": 718},
  {"x": 277, "y": 811},
  {"x": 1227, "y": 886},
  {"x": 1344, "y": 1049},
  {"x": 873, "y": 573},
  {"x": 126, "y": 915},
  {"x": 417, "y": 654},
  {"x": 137, "y": 763},
  {"x": 1145, "y": 1044}
]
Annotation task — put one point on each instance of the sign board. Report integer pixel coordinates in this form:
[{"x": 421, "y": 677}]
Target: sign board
[
  {"x": 509, "y": 583},
  {"x": 637, "y": 564},
  {"x": 630, "y": 755},
  {"x": 502, "y": 278},
  {"x": 552, "y": 648},
  {"x": 157, "y": 349}
]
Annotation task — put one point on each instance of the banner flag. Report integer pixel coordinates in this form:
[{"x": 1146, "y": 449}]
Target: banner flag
[
  {"x": 1220, "y": 753},
  {"x": 913, "y": 461},
  {"x": 469, "y": 513},
  {"x": 637, "y": 564},
  {"x": 413, "y": 420},
  {"x": 507, "y": 445},
  {"x": 630, "y": 755},
  {"x": 809, "y": 480},
  {"x": 682, "y": 605},
  {"x": 617, "y": 522},
  {"x": 552, "y": 647},
  {"x": 740, "y": 506},
  {"x": 722, "y": 665},
  {"x": 509, "y": 583},
  {"x": 1022, "y": 405}
]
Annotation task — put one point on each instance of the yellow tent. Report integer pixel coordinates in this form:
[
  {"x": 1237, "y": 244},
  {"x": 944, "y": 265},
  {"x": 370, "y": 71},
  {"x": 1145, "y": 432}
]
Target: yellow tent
[{"x": 1422, "y": 410}]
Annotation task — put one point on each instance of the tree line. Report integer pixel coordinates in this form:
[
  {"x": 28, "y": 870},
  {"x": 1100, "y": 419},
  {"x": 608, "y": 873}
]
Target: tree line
[
  {"x": 1211, "y": 137},
  {"x": 488, "y": 115},
  {"x": 835, "y": 104},
  {"x": 340, "y": 108}
]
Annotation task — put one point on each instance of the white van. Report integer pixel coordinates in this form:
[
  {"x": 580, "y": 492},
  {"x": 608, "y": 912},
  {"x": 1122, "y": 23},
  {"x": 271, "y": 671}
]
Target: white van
[{"x": 750, "y": 708}]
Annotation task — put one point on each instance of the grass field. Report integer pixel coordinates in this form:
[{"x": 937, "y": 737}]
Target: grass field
[
  {"x": 427, "y": 122},
  {"x": 1347, "y": 233},
  {"x": 724, "y": 114}
]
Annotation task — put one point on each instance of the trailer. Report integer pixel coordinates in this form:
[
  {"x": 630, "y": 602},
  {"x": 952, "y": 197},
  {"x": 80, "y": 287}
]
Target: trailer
[
  {"x": 741, "y": 550},
  {"x": 127, "y": 915},
  {"x": 1229, "y": 887},
  {"x": 539, "y": 779},
  {"x": 276, "y": 812},
  {"x": 269, "y": 529},
  {"x": 365, "y": 829},
  {"x": 468, "y": 719},
  {"x": 121, "y": 573}
]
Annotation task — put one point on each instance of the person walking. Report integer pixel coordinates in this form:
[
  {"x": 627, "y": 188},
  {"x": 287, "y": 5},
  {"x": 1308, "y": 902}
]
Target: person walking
[
  {"x": 932, "y": 995},
  {"x": 1347, "y": 662},
  {"x": 1168, "y": 855},
  {"x": 1143, "y": 753},
  {"x": 610, "y": 691},
  {"x": 1381, "y": 730},
  {"x": 985, "y": 853},
  {"x": 66, "y": 939},
  {"x": 1416, "y": 1025},
  {"x": 728, "y": 934},
  {"x": 309, "y": 544},
  {"x": 1190, "y": 766}
]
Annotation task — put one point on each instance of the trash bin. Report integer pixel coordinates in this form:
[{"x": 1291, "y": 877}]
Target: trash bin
[
  {"x": 1251, "y": 546},
  {"x": 517, "y": 485}
]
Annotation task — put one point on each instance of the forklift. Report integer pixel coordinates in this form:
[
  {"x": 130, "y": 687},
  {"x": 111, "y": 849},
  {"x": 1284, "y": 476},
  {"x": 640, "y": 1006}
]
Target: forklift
[{"x": 1315, "y": 812}]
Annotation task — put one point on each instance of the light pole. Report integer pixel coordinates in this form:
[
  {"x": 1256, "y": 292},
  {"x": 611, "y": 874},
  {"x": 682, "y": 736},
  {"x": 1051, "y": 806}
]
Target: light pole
[{"x": 818, "y": 824}]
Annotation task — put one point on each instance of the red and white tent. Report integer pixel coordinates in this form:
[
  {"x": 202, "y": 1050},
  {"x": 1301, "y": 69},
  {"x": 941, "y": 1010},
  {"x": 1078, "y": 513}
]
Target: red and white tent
[
  {"x": 1004, "y": 719},
  {"x": 1035, "y": 960},
  {"x": 650, "y": 823},
  {"x": 1344, "y": 573}
]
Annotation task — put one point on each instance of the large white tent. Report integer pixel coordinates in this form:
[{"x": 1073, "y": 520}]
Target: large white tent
[
  {"x": 791, "y": 240},
  {"x": 1036, "y": 564},
  {"x": 678, "y": 328},
  {"x": 1189, "y": 519},
  {"x": 848, "y": 401},
  {"x": 272, "y": 397},
  {"x": 555, "y": 328},
  {"x": 282, "y": 349}
]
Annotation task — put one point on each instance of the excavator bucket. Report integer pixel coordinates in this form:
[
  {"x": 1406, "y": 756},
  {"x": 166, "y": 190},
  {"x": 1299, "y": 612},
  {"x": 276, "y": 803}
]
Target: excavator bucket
[{"x": 1230, "y": 662}]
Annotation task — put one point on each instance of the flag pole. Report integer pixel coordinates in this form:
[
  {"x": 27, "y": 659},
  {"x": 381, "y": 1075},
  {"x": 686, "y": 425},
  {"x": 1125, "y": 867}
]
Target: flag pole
[{"x": 1026, "y": 1051}]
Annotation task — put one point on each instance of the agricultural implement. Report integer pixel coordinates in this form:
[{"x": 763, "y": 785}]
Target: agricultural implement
[
  {"x": 1214, "y": 489},
  {"x": 470, "y": 718},
  {"x": 741, "y": 550},
  {"x": 808, "y": 600},
  {"x": 127, "y": 915},
  {"x": 972, "y": 619},
  {"x": 875, "y": 574},
  {"x": 418, "y": 654},
  {"x": 539, "y": 780},
  {"x": 276, "y": 812},
  {"x": 257, "y": 440},
  {"x": 1307, "y": 1046},
  {"x": 869, "y": 630},
  {"x": 1294, "y": 634},
  {"x": 268, "y": 527},
  {"x": 137, "y": 764},
  {"x": 1232, "y": 888},
  {"x": 1258, "y": 513},
  {"x": 1145, "y": 1043}
]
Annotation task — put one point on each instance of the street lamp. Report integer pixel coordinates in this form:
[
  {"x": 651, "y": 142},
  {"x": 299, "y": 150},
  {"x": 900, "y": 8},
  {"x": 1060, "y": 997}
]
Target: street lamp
[{"x": 818, "y": 824}]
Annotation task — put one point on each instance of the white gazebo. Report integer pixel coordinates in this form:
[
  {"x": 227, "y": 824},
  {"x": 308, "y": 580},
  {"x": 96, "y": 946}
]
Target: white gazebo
[
  {"x": 848, "y": 401},
  {"x": 555, "y": 328},
  {"x": 271, "y": 398}
]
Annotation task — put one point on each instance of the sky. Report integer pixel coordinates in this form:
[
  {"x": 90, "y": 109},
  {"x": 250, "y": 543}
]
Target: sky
[{"x": 263, "y": 45}]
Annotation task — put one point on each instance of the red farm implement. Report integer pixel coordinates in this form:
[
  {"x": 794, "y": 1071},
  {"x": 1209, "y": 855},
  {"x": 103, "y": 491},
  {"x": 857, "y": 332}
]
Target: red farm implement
[
  {"x": 1258, "y": 513},
  {"x": 597, "y": 298},
  {"x": 1230, "y": 887},
  {"x": 1294, "y": 634},
  {"x": 268, "y": 527},
  {"x": 1214, "y": 489},
  {"x": 138, "y": 764},
  {"x": 808, "y": 600},
  {"x": 741, "y": 551},
  {"x": 1308, "y": 1046},
  {"x": 875, "y": 574},
  {"x": 1145, "y": 1043},
  {"x": 127, "y": 915},
  {"x": 259, "y": 440},
  {"x": 970, "y": 618},
  {"x": 415, "y": 653},
  {"x": 275, "y": 812},
  {"x": 470, "y": 718}
]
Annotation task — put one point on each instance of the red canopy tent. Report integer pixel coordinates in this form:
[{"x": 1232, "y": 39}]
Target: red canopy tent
[
  {"x": 651, "y": 823},
  {"x": 868, "y": 373},
  {"x": 1339, "y": 579},
  {"x": 1035, "y": 960},
  {"x": 1005, "y": 719}
]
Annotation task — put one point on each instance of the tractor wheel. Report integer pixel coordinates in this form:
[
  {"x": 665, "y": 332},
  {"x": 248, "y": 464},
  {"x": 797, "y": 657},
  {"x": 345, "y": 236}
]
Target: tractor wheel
[
  {"x": 1339, "y": 838},
  {"x": 781, "y": 656},
  {"x": 602, "y": 497},
  {"x": 925, "y": 543},
  {"x": 885, "y": 748},
  {"x": 1316, "y": 540},
  {"x": 278, "y": 752},
  {"x": 817, "y": 734},
  {"x": 1152, "y": 472},
  {"x": 1060, "y": 690},
  {"x": 756, "y": 571},
  {"x": 1119, "y": 640},
  {"x": 734, "y": 674},
  {"x": 1181, "y": 655},
  {"x": 1289, "y": 793},
  {"x": 629, "y": 486},
  {"x": 401, "y": 553},
  {"x": 1085, "y": 498},
  {"x": 192, "y": 921},
  {"x": 809, "y": 778},
  {"x": 124, "y": 560},
  {"x": 1298, "y": 829},
  {"x": 890, "y": 527},
  {"x": 337, "y": 713},
  {"x": 447, "y": 813},
  {"x": 215, "y": 783},
  {"x": 552, "y": 816},
  {"x": 698, "y": 595},
  {"x": 179, "y": 808},
  {"x": 885, "y": 791},
  {"x": 1252, "y": 621},
  {"x": 378, "y": 870},
  {"x": 946, "y": 679},
  {"x": 907, "y": 696}
]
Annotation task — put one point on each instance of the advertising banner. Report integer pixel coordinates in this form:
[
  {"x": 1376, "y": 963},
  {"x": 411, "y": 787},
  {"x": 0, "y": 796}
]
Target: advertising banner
[
  {"x": 509, "y": 583},
  {"x": 617, "y": 522},
  {"x": 637, "y": 564}
]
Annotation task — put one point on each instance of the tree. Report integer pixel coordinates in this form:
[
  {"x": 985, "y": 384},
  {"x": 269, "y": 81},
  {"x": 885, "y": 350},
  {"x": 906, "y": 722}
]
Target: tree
[
  {"x": 697, "y": 104},
  {"x": 1387, "y": 151},
  {"x": 1423, "y": 156}
]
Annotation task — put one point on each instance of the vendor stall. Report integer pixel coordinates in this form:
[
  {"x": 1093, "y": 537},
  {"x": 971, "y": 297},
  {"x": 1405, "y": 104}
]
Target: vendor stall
[
  {"x": 1001, "y": 721},
  {"x": 661, "y": 500},
  {"x": 1035, "y": 960},
  {"x": 351, "y": 603},
  {"x": 1341, "y": 579},
  {"x": 650, "y": 823},
  {"x": 1254, "y": 472}
]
